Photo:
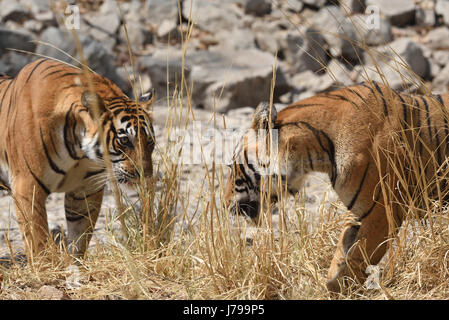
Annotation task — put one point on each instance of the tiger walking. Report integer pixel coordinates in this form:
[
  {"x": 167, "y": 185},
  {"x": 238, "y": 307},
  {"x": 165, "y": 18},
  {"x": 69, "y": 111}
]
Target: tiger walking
[
  {"x": 50, "y": 141},
  {"x": 351, "y": 134}
]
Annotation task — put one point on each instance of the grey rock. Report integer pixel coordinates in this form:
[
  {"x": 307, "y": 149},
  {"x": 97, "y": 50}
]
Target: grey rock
[
  {"x": 441, "y": 80},
  {"x": 36, "y": 6},
  {"x": 304, "y": 50},
  {"x": 352, "y": 6},
  {"x": 168, "y": 29},
  {"x": 56, "y": 38},
  {"x": 267, "y": 42},
  {"x": 425, "y": 17},
  {"x": 258, "y": 7},
  {"x": 15, "y": 11},
  {"x": 230, "y": 80},
  {"x": 309, "y": 81},
  {"x": 16, "y": 39},
  {"x": 212, "y": 15},
  {"x": 159, "y": 10},
  {"x": 442, "y": 9},
  {"x": 400, "y": 63},
  {"x": 49, "y": 293},
  {"x": 363, "y": 31},
  {"x": 338, "y": 73},
  {"x": 399, "y": 12},
  {"x": 437, "y": 38},
  {"x": 101, "y": 61},
  {"x": 294, "y": 5},
  {"x": 138, "y": 36},
  {"x": 236, "y": 39},
  {"x": 441, "y": 57},
  {"x": 328, "y": 21},
  {"x": 104, "y": 28},
  {"x": 164, "y": 66},
  {"x": 12, "y": 62},
  {"x": 315, "y": 3},
  {"x": 47, "y": 18}
]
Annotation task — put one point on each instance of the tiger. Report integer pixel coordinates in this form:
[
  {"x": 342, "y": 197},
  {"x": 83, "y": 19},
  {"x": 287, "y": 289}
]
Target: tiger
[
  {"x": 350, "y": 134},
  {"x": 53, "y": 119}
]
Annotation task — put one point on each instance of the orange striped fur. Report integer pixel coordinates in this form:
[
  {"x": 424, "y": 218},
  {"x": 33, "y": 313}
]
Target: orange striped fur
[
  {"x": 352, "y": 134},
  {"x": 50, "y": 142}
]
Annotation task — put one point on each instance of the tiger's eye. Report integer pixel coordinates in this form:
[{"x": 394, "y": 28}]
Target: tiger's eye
[{"x": 124, "y": 140}]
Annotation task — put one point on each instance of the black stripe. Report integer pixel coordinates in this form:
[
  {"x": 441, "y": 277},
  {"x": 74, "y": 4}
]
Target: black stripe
[
  {"x": 93, "y": 173},
  {"x": 383, "y": 98},
  {"x": 247, "y": 178},
  {"x": 330, "y": 152},
  {"x": 366, "y": 214},
  {"x": 340, "y": 97},
  {"x": 310, "y": 160},
  {"x": 354, "y": 199},
  {"x": 445, "y": 116},
  {"x": 34, "y": 69},
  {"x": 41, "y": 184},
  {"x": 4, "y": 94},
  {"x": 50, "y": 73},
  {"x": 404, "y": 106},
  {"x": 53, "y": 165},
  {"x": 428, "y": 117},
  {"x": 68, "y": 74},
  {"x": 70, "y": 148}
]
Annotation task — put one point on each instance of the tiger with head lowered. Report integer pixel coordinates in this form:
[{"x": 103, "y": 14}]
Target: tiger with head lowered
[
  {"x": 51, "y": 132},
  {"x": 351, "y": 134}
]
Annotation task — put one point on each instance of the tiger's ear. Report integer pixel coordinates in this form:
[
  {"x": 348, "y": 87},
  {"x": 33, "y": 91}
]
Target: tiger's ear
[
  {"x": 262, "y": 118},
  {"x": 147, "y": 99},
  {"x": 92, "y": 100}
]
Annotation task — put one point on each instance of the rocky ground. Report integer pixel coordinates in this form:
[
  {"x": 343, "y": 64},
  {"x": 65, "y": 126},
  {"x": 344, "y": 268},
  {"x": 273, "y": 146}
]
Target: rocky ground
[{"x": 320, "y": 45}]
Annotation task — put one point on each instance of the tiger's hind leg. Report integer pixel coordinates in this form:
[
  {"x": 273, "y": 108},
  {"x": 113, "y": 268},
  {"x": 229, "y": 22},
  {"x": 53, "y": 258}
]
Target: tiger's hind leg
[
  {"x": 357, "y": 244},
  {"x": 81, "y": 211}
]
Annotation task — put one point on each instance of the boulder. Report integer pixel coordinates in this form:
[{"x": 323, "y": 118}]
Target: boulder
[
  {"x": 352, "y": 6},
  {"x": 162, "y": 66},
  {"x": 400, "y": 62},
  {"x": 294, "y": 5},
  {"x": 232, "y": 79},
  {"x": 212, "y": 15},
  {"x": 398, "y": 12},
  {"x": 138, "y": 36},
  {"x": 328, "y": 21},
  {"x": 104, "y": 28},
  {"x": 156, "y": 11},
  {"x": 257, "y": 7},
  {"x": 317, "y": 4},
  {"x": 425, "y": 17},
  {"x": 16, "y": 39},
  {"x": 13, "y": 10},
  {"x": 359, "y": 26},
  {"x": 236, "y": 39},
  {"x": 437, "y": 38},
  {"x": 304, "y": 49},
  {"x": 58, "y": 39},
  {"x": 442, "y": 9}
]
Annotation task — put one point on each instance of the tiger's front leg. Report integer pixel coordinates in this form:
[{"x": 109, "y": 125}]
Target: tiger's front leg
[
  {"x": 81, "y": 211},
  {"x": 360, "y": 245},
  {"x": 29, "y": 199}
]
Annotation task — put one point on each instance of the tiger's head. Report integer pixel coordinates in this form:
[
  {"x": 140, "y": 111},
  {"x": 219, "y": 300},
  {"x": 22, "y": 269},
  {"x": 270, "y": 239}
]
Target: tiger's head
[
  {"x": 254, "y": 160},
  {"x": 126, "y": 129}
]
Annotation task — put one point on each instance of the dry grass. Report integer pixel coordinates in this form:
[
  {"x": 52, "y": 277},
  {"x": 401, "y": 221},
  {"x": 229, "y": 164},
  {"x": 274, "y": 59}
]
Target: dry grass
[{"x": 215, "y": 256}]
